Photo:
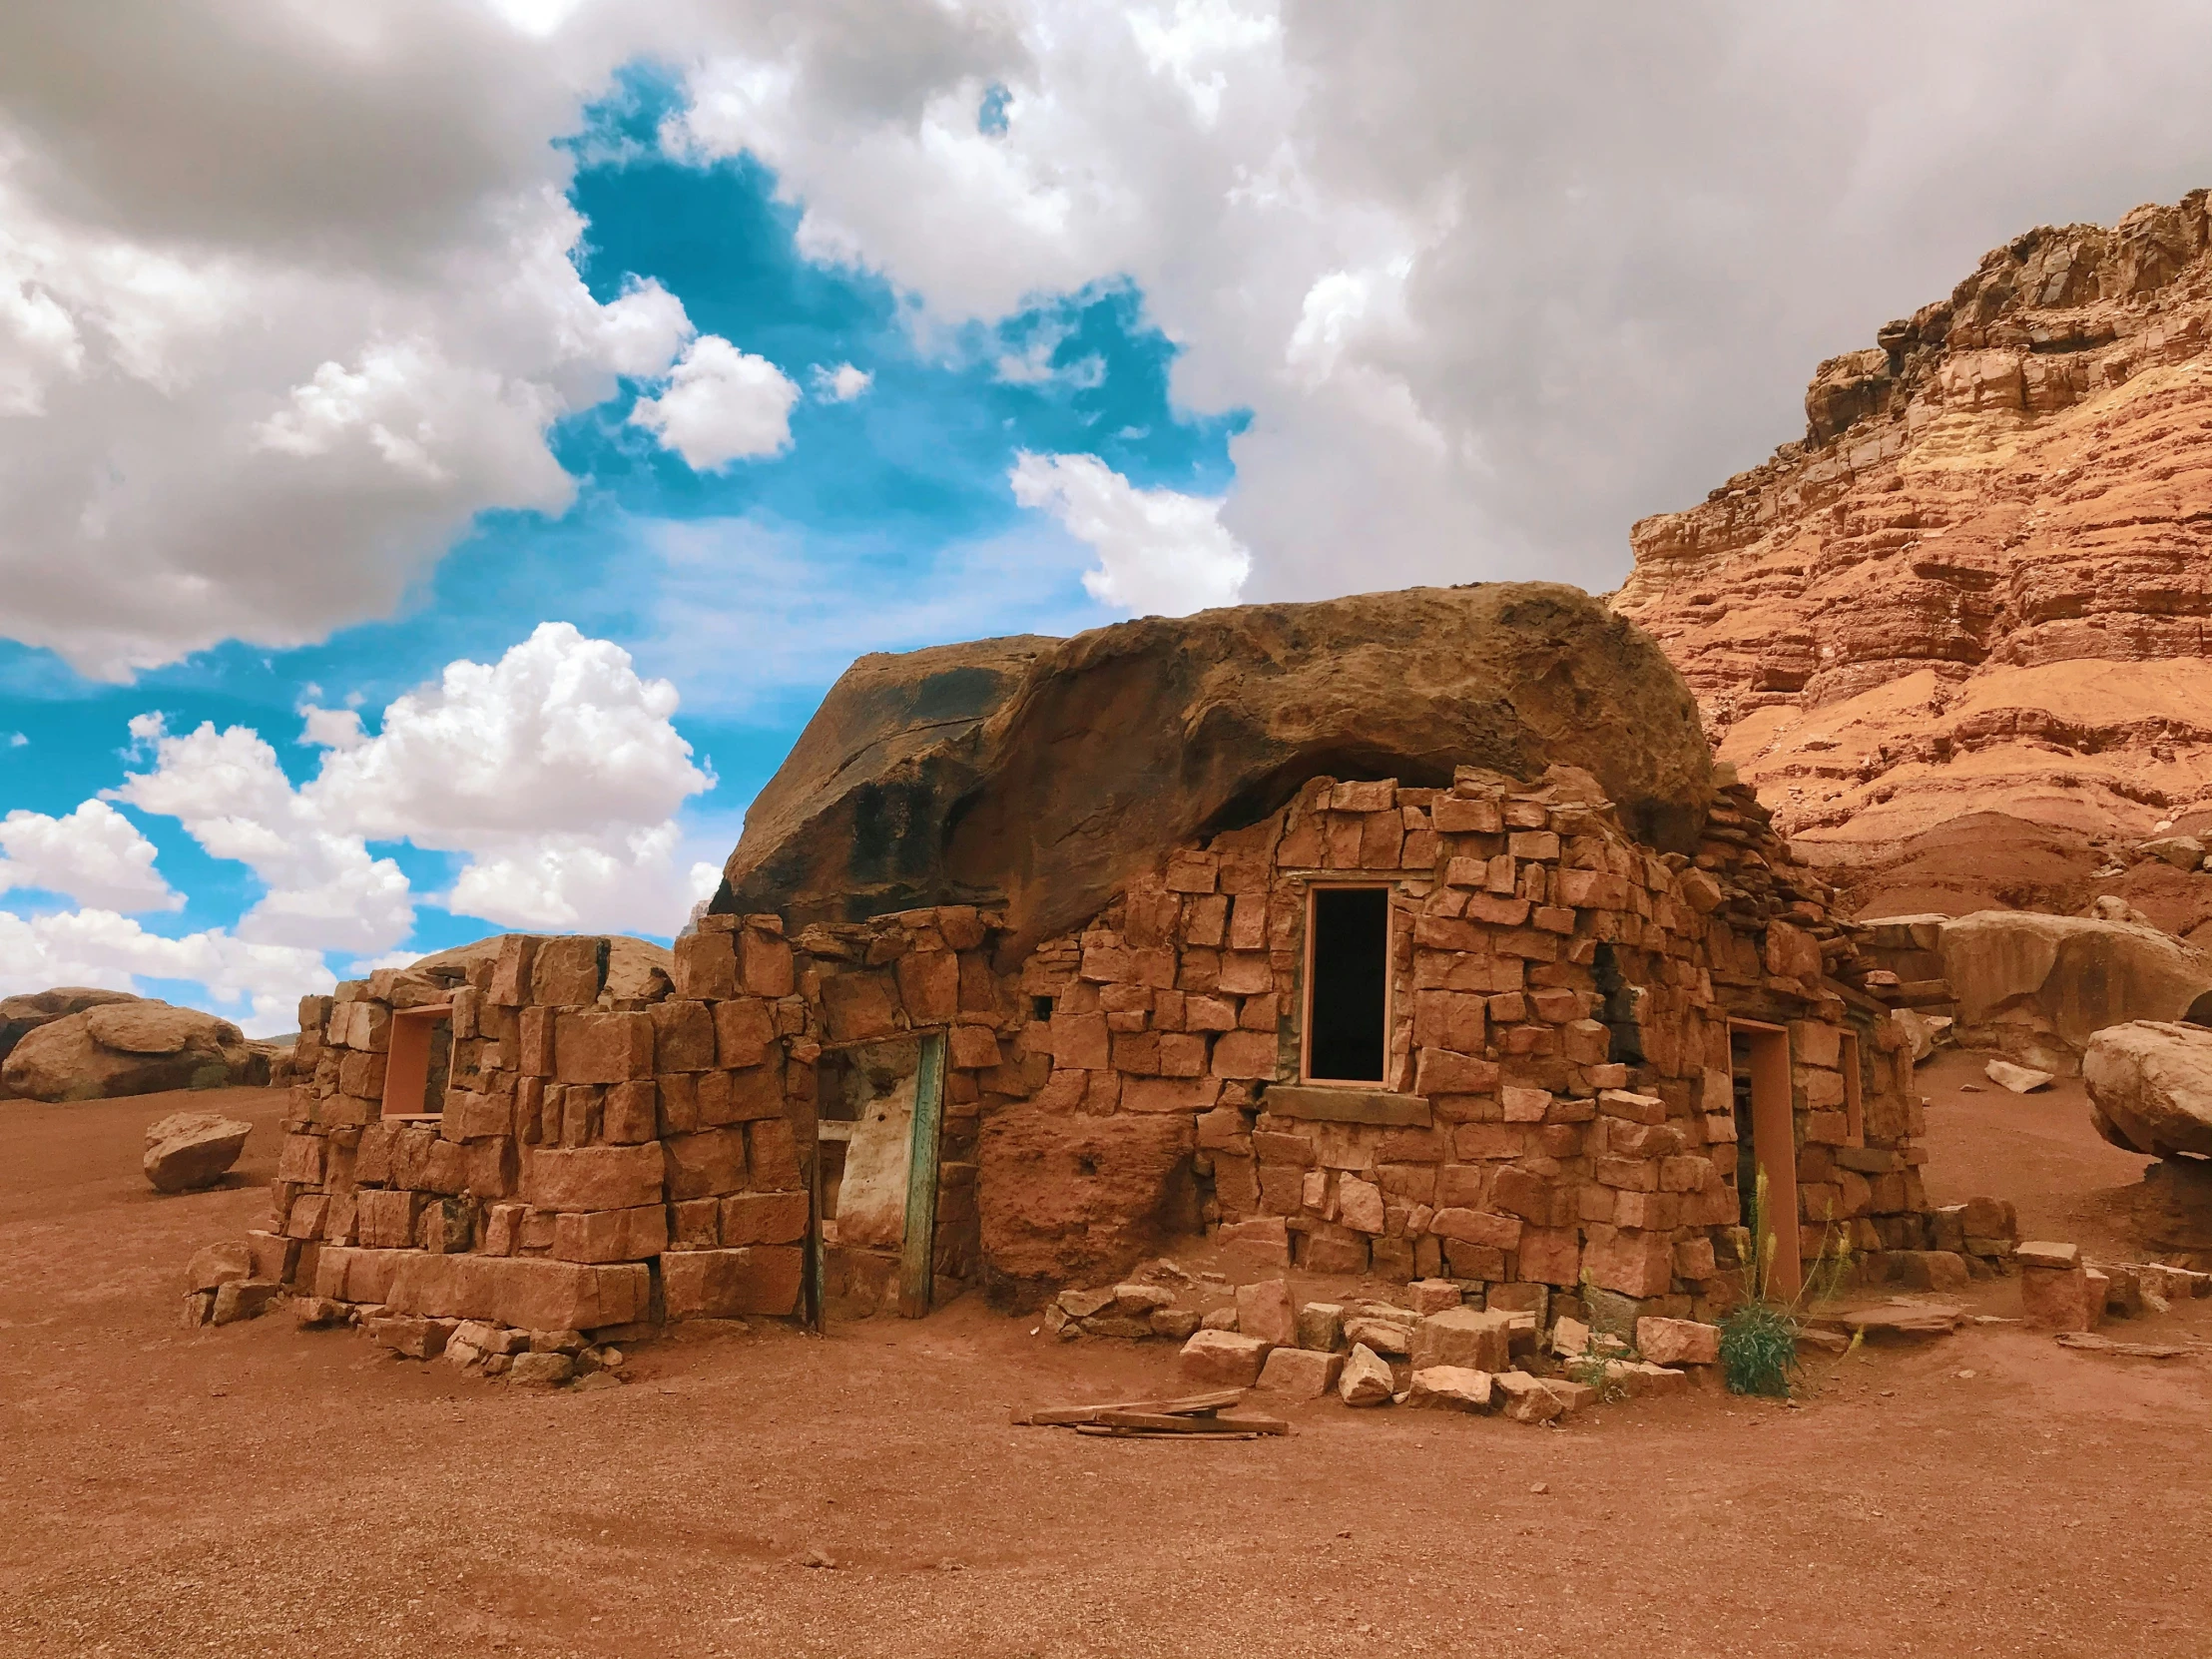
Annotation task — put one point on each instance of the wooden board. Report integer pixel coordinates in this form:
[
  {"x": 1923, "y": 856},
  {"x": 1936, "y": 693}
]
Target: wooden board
[
  {"x": 918, "y": 1268},
  {"x": 1068, "y": 1416},
  {"x": 1160, "y": 1422}
]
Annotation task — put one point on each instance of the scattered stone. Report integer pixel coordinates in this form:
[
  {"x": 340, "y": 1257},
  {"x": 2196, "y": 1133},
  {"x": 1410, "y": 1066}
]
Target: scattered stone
[
  {"x": 1525, "y": 1398},
  {"x": 1264, "y": 1311},
  {"x": 1678, "y": 1342},
  {"x": 1365, "y": 1378},
  {"x": 1320, "y": 1325},
  {"x": 1572, "y": 1396},
  {"x": 2182, "y": 851},
  {"x": 1903, "y": 1321},
  {"x": 2055, "y": 1293},
  {"x": 409, "y": 1338},
  {"x": 2040, "y": 1253},
  {"x": 1135, "y": 1301},
  {"x": 190, "y": 1150},
  {"x": 1176, "y": 1324},
  {"x": 217, "y": 1265},
  {"x": 1384, "y": 1336},
  {"x": 1223, "y": 1358},
  {"x": 313, "y": 1313},
  {"x": 1433, "y": 1296},
  {"x": 2019, "y": 1079},
  {"x": 1449, "y": 1388},
  {"x": 1300, "y": 1372},
  {"x": 1475, "y": 1338},
  {"x": 1219, "y": 1319},
  {"x": 2088, "y": 1342},
  {"x": 1930, "y": 1270},
  {"x": 1081, "y": 1305},
  {"x": 242, "y": 1299},
  {"x": 540, "y": 1370},
  {"x": 598, "y": 1379}
]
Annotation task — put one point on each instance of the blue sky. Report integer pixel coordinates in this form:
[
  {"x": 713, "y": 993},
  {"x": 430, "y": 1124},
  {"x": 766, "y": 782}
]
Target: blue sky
[{"x": 887, "y": 523}]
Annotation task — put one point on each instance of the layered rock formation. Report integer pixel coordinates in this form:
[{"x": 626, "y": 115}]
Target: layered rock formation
[
  {"x": 1957, "y": 635},
  {"x": 1042, "y": 774}
]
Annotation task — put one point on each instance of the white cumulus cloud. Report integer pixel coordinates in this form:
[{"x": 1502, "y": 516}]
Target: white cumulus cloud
[
  {"x": 94, "y": 946},
  {"x": 94, "y": 854},
  {"x": 841, "y": 384},
  {"x": 1160, "y": 552},
  {"x": 721, "y": 405}
]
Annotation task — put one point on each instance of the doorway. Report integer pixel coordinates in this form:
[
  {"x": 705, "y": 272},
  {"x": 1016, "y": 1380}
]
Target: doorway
[
  {"x": 879, "y": 1114},
  {"x": 1766, "y": 1144}
]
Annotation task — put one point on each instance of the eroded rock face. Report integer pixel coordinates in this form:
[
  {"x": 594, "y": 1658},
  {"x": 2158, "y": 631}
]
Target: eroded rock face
[
  {"x": 2038, "y": 988},
  {"x": 1980, "y": 584},
  {"x": 2150, "y": 1087},
  {"x": 72, "y": 1058},
  {"x": 1044, "y": 773}
]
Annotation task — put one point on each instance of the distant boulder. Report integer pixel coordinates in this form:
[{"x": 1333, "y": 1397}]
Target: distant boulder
[
  {"x": 24, "y": 1013},
  {"x": 125, "y": 1046},
  {"x": 2036, "y": 987}
]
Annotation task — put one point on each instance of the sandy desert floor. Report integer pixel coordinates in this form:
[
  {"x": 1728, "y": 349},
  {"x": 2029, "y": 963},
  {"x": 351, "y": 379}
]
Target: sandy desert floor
[{"x": 256, "y": 1489}]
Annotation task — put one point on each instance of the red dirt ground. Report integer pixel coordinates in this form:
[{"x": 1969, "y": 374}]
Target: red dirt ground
[{"x": 261, "y": 1491}]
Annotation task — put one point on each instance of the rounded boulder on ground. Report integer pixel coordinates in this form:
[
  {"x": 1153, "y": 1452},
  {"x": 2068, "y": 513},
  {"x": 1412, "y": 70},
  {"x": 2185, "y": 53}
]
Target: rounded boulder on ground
[
  {"x": 2150, "y": 1087},
  {"x": 137, "y": 1047},
  {"x": 189, "y": 1150}
]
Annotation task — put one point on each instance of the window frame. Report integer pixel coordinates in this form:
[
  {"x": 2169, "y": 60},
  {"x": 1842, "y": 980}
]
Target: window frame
[
  {"x": 417, "y": 1050},
  {"x": 1389, "y": 889}
]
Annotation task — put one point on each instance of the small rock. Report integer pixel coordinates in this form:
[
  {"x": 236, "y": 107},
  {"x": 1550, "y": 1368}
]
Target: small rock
[
  {"x": 1081, "y": 1305},
  {"x": 1383, "y": 1336},
  {"x": 1223, "y": 1360},
  {"x": 2019, "y": 1079},
  {"x": 1525, "y": 1398},
  {"x": 1320, "y": 1325},
  {"x": 217, "y": 1265},
  {"x": 818, "y": 1558},
  {"x": 540, "y": 1370},
  {"x": 1177, "y": 1323},
  {"x": 1219, "y": 1319},
  {"x": 1678, "y": 1342},
  {"x": 1449, "y": 1388},
  {"x": 1433, "y": 1296},
  {"x": 242, "y": 1299},
  {"x": 1299, "y": 1373},
  {"x": 1365, "y": 1378},
  {"x": 598, "y": 1379},
  {"x": 1539, "y": 1488}
]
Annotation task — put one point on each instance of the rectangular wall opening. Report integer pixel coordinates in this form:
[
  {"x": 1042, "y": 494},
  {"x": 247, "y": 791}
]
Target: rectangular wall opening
[
  {"x": 1348, "y": 985},
  {"x": 1855, "y": 1107},
  {"x": 418, "y": 1062},
  {"x": 1766, "y": 1144}
]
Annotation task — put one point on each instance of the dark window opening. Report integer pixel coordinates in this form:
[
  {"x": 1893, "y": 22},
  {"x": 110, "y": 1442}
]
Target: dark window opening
[
  {"x": 1348, "y": 985},
  {"x": 1041, "y": 1007},
  {"x": 2200, "y": 1011}
]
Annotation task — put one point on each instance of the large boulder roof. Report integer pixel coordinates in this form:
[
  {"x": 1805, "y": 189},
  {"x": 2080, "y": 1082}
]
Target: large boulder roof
[{"x": 1042, "y": 774}]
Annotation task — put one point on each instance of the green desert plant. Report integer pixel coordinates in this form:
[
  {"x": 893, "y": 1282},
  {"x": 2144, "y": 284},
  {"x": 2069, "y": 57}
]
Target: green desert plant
[
  {"x": 1593, "y": 1365},
  {"x": 1759, "y": 1337}
]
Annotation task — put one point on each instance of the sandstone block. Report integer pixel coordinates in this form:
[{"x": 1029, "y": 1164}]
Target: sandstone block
[
  {"x": 1264, "y": 1311},
  {"x": 730, "y": 1283},
  {"x": 595, "y": 1177},
  {"x": 710, "y": 1164},
  {"x": 1449, "y": 1388},
  {"x": 1299, "y": 1373},
  {"x": 569, "y": 971},
  {"x": 595, "y": 1047},
  {"x": 2057, "y": 1299},
  {"x": 764, "y": 1218},
  {"x": 1666, "y": 1341},
  {"x": 1525, "y": 1399},
  {"x": 1359, "y": 1204},
  {"x": 1365, "y": 1378},
  {"x": 635, "y": 1235},
  {"x": 1466, "y": 1336},
  {"x": 1223, "y": 1360},
  {"x": 186, "y": 1151},
  {"x": 743, "y": 1034},
  {"x": 1321, "y": 1327},
  {"x": 540, "y": 1370},
  {"x": 1433, "y": 1296}
]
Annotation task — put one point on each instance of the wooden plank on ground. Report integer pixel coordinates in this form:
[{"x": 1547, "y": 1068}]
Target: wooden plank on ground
[
  {"x": 1159, "y": 1423},
  {"x": 1068, "y": 1416}
]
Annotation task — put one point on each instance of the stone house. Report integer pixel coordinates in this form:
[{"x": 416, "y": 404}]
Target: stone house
[{"x": 1476, "y": 1031}]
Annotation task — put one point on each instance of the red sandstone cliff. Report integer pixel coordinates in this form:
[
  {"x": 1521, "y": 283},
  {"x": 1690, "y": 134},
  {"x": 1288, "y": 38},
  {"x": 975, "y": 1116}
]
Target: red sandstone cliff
[{"x": 1956, "y": 636}]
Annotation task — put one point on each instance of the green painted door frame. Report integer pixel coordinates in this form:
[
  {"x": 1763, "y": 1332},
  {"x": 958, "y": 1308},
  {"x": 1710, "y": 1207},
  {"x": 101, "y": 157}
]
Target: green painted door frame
[{"x": 917, "y": 1263}]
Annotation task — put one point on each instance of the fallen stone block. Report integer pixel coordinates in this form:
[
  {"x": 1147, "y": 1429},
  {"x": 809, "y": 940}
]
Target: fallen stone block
[
  {"x": 1468, "y": 1336},
  {"x": 1930, "y": 1270},
  {"x": 1433, "y": 1295},
  {"x": 1365, "y": 1378},
  {"x": 2041, "y": 1253},
  {"x": 1223, "y": 1358},
  {"x": 1449, "y": 1388},
  {"x": 1525, "y": 1399},
  {"x": 1572, "y": 1396},
  {"x": 540, "y": 1370},
  {"x": 1383, "y": 1336},
  {"x": 1678, "y": 1342},
  {"x": 1321, "y": 1326},
  {"x": 1264, "y": 1311},
  {"x": 1903, "y": 1320},
  {"x": 2019, "y": 1079},
  {"x": 217, "y": 1265},
  {"x": 409, "y": 1336},
  {"x": 1177, "y": 1323},
  {"x": 1300, "y": 1372}
]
